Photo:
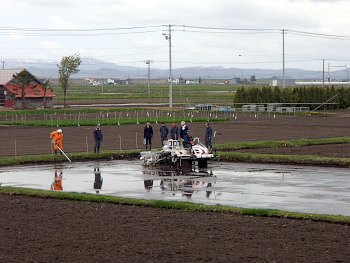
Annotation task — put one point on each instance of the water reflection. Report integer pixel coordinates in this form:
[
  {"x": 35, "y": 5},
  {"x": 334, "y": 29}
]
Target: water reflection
[
  {"x": 57, "y": 183},
  {"x": 98, "y": 180},
  {"x": 148, "y": 184},
  {"x": 185, "y": 182}
]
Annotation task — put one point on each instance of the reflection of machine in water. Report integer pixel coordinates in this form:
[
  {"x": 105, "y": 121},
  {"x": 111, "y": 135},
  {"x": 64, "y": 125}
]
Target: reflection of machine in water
[
  {"x": 184, "y": 182},
  {"x": 57, "y": 183},
  {"x": 98, "y": 180}
]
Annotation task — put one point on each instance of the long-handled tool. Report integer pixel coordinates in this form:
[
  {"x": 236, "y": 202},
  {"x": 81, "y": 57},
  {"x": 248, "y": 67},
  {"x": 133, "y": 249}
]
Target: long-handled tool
[{"x": 62, "y": 151}]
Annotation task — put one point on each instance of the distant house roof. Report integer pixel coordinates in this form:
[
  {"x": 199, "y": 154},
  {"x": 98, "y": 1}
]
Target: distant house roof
[
  {"x": 37, "y": 92},
  {"x": 6, "y": 75}
]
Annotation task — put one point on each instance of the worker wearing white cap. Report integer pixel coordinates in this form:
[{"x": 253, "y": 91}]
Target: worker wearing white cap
[
  {"x": 183, "y": 130},
  {"x": 56, "y": 138}
]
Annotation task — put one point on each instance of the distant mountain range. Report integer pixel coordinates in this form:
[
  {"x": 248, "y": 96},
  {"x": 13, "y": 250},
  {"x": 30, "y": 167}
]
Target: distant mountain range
[{"x": 90, "y": 66}]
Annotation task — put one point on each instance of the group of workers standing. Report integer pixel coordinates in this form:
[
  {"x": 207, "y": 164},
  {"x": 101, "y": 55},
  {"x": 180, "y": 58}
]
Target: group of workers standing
[
  {"x": 183, "y": 132},
  {"x": 176, "y": 133}
]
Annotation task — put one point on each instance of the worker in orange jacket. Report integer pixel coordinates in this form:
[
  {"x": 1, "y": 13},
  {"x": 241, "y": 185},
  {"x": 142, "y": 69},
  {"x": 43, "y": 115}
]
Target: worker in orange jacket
[{"x": 56, "y": 138}]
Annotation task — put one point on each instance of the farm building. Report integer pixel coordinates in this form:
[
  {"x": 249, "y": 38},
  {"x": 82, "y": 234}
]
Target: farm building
[
  {"x": 10, "y": 94},
  {"x": 274, "y": 81},
  {"x": 233, "y": 81}
]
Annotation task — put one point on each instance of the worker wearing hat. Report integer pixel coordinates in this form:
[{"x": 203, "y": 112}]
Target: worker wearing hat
[
  {"x": 208, "y": 135},
  {"x": 56, "y": 138},
  {"x": 98, "y": 138},
  {"x": 188, "y": 141}
]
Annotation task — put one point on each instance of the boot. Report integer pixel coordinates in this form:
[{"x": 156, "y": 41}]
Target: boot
[
  {"x": 98, "y": 150},
  {"x": 55, "y": 152},
  {"x": 94, "y": 149}
]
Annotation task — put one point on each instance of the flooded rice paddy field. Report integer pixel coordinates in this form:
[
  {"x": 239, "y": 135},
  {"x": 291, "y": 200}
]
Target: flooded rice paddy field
[{"x": 291, "y": 188}]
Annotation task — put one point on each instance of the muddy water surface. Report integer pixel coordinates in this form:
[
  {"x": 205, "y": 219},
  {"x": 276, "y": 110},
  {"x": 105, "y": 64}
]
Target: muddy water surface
[{"x": 291, "y": 188}]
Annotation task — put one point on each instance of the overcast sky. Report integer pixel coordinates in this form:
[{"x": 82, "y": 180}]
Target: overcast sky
[{"x": 191, "y": 46}]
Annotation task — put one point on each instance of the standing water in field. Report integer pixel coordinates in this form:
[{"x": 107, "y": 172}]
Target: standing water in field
[{"x": 290, "y": 188}]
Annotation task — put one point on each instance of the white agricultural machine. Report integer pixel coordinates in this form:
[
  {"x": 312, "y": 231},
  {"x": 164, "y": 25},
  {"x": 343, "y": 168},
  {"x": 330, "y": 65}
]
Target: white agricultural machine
[{"x": 174, "y": 153}]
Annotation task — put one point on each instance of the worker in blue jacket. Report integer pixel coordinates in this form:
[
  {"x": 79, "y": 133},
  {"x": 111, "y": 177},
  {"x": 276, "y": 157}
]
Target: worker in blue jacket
[
  {"x": 174, "y": 132},
  {"x": 98, "y": 138},
  {"x": 163, "y": 133},
  {"x": 148, "y": 134},
  {"x": 188, "y": 141}
]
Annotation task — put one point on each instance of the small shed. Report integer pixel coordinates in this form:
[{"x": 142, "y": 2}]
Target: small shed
[
  {"x": 275, "y": 81},
  {"x": 203, "y": 107}
]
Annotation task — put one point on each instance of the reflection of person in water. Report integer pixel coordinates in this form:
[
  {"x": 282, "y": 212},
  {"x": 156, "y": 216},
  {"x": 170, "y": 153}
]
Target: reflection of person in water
[
  {"x": 57, "y": 183},
  {"x": 98, "y": 180},
  {"x": 208, "y": 192},
  {"x": 188, "y": 193},
  {"x": 148, "y": 184}
]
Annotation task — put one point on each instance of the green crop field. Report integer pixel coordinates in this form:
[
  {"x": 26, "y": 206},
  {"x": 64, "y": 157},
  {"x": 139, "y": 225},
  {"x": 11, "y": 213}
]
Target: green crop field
[{"x": 158, "y": 93}]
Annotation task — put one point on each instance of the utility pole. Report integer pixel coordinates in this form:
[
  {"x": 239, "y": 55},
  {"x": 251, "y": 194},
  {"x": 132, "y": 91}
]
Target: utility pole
[
  {"x": 149, "y": 74},
  {"x": 3, "y": 64},
  {"x": 346, "y": 66},
  {"x": 170, "y": 78},
  {"x": 323, "y": 75},
  {"x": 284, "y": 63},
  {"x": 102, "y": 80}
]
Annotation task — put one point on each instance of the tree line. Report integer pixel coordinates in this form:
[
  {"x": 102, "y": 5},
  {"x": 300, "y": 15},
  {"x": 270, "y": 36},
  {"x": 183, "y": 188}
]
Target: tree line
[{"x": 296, "y": 96}]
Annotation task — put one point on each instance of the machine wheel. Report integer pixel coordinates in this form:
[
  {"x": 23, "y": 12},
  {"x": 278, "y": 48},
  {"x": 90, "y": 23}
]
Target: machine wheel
[
  {"x": 202, "y": 163},
  {"x": 185, "y": 163}
]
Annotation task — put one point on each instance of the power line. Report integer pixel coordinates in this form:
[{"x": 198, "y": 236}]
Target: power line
[{"x": 75, "y": 30}]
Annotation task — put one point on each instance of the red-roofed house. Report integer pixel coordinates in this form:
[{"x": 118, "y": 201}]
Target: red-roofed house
[{"x": 10, "y": 95}]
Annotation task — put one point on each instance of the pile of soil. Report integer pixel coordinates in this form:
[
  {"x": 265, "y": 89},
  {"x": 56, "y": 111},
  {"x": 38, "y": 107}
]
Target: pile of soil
[{"x": 49, "y": 230}]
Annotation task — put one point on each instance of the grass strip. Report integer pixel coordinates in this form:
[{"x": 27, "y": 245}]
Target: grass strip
[
  {"x": 222, "y": 156},
  {"x": 105, "y": 121},
  {"x": 279, "y": 144},
  {"x": 12, "y": 112},
  {"x": 186, "y": 206},
  {"x": 50, "y": 158},
  {"x": 282, "y": 159}
]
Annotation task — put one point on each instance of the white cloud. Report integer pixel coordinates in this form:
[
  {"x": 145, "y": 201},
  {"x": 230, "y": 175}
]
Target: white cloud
[{"x": 193, "y": 47}]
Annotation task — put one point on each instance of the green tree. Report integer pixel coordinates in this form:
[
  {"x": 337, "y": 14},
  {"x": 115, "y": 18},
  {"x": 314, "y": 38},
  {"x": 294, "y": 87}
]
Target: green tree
[
  {"x": 45, "y": 87},
  {"x": 22, "y": 80},
  {"x": 69, "y": 65}
]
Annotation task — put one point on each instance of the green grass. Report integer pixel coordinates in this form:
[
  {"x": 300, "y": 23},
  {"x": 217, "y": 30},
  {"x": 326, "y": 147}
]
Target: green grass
[
  {"x": 11, "y": 112},
  {"x": 224, "y": 155},
  {"x": 282, "y": 159},
  {"x": 186, "y": 206},
  {"x": 48, "y": 158},
  {"x": 278, "y": 144},
  {"x": 105, "y": 121}
]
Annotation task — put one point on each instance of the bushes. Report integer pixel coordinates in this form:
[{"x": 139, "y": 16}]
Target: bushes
[{"x": 297, "y": 96}]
